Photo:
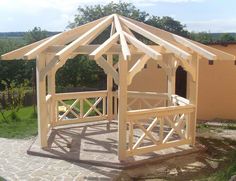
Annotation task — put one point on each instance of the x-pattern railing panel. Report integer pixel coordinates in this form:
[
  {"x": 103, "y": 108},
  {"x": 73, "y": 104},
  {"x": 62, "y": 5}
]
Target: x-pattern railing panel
[
  {"x": 80, "y": 107},
  {"x": 143, "y": 103},
  {"x": 147, "y": 133}
]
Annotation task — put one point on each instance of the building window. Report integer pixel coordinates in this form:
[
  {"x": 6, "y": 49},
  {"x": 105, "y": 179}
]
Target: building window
[
  {"x": 158, "y": 66},
  {"x": 145, "y": 66},
  {"x": 210, "y": 62}
]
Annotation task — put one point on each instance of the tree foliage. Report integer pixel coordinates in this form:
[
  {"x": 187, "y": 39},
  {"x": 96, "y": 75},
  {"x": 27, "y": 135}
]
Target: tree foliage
[
  {"x": 202, "y": 37},
  {"x": 169, "y": 24},
  {"x": 35, "y": 34},
  {"x": 90, "y": 13},
  {"x": 226, "y": 37}
]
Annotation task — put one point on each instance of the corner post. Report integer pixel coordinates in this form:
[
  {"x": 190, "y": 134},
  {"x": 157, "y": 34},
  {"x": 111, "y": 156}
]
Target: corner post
[
  {"x": 52, "y": 90},
  {"x": 122, "y": 111},
  {"x": 41, "y": 101},
  {"x": 109, "y": 90},
  {"x": 192, "y": 94},
  {"x": 171, "y": 80}
]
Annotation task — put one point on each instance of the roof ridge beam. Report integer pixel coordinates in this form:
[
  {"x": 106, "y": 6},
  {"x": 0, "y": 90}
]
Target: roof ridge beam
[
  {"x": 104, "y": 47},
  {"x": 143, "y": 47},
  {"x": 64, "y": 53},
  {"x": 185, "y": 42},
  {"x": 176, "y": 50},
  {"x": 124, "y": 46}
]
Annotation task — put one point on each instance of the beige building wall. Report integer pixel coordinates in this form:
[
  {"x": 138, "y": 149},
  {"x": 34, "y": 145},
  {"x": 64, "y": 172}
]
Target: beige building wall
[
  {"x": 217, "y": 85},
  {"x": 150, "y": 79}
]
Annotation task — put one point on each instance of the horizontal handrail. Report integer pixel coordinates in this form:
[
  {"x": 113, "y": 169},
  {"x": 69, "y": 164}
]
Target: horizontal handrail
[
  {"x": 74, "y": 95},
  {"x": 179, "y": 100},
  {"x": 160, "y": 111},
  {"x": 147, "y": 95}
]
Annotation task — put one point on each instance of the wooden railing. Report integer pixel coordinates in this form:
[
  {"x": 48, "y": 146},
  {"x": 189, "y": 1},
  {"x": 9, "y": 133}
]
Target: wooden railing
[
  {"x": 158, "y": 128},
  {"x": 80, "y": 107},
  {"x": 146, "y": 100}
]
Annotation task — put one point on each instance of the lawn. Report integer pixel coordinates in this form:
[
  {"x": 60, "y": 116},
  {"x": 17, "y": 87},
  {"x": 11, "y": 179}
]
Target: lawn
[{"x": 24, "y": 126}]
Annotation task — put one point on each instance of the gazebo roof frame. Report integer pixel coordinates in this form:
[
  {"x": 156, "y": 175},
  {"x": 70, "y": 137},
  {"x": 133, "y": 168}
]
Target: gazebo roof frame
[{"x": 83, "y": 35}]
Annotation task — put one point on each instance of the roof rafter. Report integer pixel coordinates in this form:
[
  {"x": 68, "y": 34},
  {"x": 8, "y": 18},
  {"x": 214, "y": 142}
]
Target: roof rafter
[
  {"x": 206, "y": 54},
  {"x": 19, "y": 53},
  {"x": 176, "y": 50},
  {"x": 63, "y": 54},
  {"x": 104, "y": 47},
  {"x": 124, "y": 45},
  {"x": 60, "y": 38},
  {"x": 145, "y": 48}
]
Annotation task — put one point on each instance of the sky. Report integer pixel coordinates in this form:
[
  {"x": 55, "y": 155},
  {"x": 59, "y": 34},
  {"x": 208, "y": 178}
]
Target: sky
[{"x": 55, "y": 15}]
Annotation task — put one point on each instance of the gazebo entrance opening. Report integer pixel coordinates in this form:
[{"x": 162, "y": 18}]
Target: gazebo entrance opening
[{"x": 147, "y": 121}]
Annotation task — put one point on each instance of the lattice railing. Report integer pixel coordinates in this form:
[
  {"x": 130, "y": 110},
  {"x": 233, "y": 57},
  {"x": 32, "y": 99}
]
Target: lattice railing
[
  {"x": 146, "y": 100},
  {"x": 158, "y": 128},
  {"x": 80, "y": 107}
]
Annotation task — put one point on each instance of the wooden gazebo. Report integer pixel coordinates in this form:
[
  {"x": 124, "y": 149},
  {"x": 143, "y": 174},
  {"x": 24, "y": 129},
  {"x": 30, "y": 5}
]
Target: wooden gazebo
[{"x": 158, "y": 121}]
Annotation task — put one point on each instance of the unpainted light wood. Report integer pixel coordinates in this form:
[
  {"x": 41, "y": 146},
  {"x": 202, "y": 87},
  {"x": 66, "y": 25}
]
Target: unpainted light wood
[
  {"x": 141, "y": 46},
  {"x": 109, "y": 90},
  {"x": 174, "y": 49},
  {"x": 137, "y": 67},
  {"x": 192, "y": 94},
  {"x": 64, "y": 53},
  {"x": 41, "y": 102},
  {"x": 108, "y": 69},
  {"x": 122, "y": 110},
  {"x": 201, "y": 51},
  {"x": 124, "y": 46},
  {"x": 104, "y": 47},
  {"x": 19, "y": 53}
]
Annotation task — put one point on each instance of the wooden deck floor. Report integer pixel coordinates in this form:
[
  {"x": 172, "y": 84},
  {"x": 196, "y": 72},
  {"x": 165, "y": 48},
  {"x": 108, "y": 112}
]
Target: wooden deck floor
[{"x": 96, "y": 144}]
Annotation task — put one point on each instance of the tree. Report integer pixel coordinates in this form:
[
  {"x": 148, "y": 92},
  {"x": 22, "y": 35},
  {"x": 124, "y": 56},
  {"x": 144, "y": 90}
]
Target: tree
[
  {"x": 226, "y": 37},
  {"x": 35, "y": 34},
  {"x": 202, "y": 37},
  {"x": 90, "y": 13},
  {"x": 169, "y": 24}
]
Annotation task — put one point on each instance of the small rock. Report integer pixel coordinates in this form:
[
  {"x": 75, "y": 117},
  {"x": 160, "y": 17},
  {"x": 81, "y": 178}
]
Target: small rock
[{"x": 233, "y": 178}]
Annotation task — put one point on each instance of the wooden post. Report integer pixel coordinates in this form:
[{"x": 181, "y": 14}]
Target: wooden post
[
  {"x": 171, "y": 80},
  {"x": 41, "y": 101},
  {"x": 52, "y": 91},
  {"x": 109, "y": 90},
  {"x": 122, "y": 111},
  {"x": 192, "y": 94}
]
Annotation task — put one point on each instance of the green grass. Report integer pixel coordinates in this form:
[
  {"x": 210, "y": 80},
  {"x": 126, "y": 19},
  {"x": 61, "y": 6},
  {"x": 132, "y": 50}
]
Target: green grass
[
  {"x": 225, "y": 173},
  {"x": 24, "y": 126},
  {"x": 24, "y": 123}
]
